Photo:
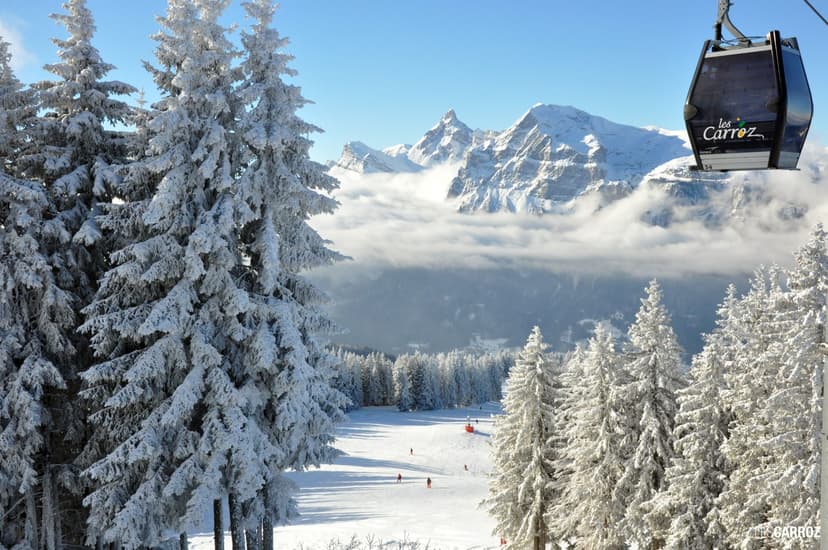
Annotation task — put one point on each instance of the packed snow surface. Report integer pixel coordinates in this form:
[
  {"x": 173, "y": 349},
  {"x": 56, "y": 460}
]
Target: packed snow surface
[{"x": 358, "y": 494}]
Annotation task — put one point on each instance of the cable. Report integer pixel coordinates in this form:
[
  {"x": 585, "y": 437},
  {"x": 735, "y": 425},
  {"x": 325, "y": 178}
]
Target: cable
[{"x": 816, "y": 12}]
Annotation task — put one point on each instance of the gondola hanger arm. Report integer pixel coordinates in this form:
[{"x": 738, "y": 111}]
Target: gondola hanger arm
[{"x": 723, "y": 18}]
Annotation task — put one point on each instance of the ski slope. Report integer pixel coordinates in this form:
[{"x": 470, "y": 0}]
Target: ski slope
[{"x": 358, "y": 494}]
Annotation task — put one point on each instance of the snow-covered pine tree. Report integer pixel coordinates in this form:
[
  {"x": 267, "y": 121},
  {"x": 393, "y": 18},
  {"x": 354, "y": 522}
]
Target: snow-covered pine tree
[
  {"x": 21, "y": 437},
  {"x": 67, "y": 150},
  {"x": 403, "y": 397},
  {"x": 121, "y": 223},
  {"x": 491, "y": 377},
  {"x": 794, "y": 409},
  {"x": 753, "y": 335},
  {"x": 417, "y": 382},
  {"x": 279, "y": 372},
  {"x": 381, "y": 372},
  {"x": 177, "y": 414},
  {"x": 685, "y": 514},
  {"x": 571, "y": 378},
  {"x": 504, "y": 360},
  {"x": 72, "y": 151},
  {"x": 428, "y": 397},
  {"x": 447, "y": 362},
  {"x": 478, "y": 383},
  {"x": 415, "y": 369},
  {"x": 462, "y": 379},
  {"x": 35, "y": 317},
  {"x": 388, "y": 369},
  {"x": 654, "y": 365},
  {"x": 370, "y": 382},
  {"x": 520, "y": 488},
  {"x": 348, "y": 378},
  {"x": 598, "y": 444},
  {"x": 283, "y": 188},
  {"x": 357, "y": 396}
]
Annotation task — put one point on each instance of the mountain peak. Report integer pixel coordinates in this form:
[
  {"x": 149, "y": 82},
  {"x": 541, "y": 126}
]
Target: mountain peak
[
  {"x": 447, "y": 141},
  {"x": 560, "y": 110},
  {"x": 551, "y": 115},
  {"x": 450, "y": 118},
  {"x": 358, "y": 157}
]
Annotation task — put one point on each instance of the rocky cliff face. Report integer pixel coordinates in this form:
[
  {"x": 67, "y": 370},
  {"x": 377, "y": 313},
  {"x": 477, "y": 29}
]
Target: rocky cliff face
[{"x": 552, "y": 155}]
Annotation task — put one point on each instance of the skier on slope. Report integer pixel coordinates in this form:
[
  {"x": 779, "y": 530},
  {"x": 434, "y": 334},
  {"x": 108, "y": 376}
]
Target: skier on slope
[
  {"x": 428, "y": 483},
  {"x": 399, "y": 478}
]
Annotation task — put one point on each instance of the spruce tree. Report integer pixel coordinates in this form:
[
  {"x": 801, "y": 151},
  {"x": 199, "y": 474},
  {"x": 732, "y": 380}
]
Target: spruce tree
[
  {"x": 403, "y": 396},
  {"x": 72, "y": 151},
  {"x": 67, "y": 151},
  {"x": 35, "y": 316},
  {"x": 448, "y": 362},
  {"x": 654, "y": 366},
  {"x": 794, "y": 409},
  {"x": 370, "y": 381},
  {"x": 598, "y": 444},
  {"x": 206, "y": 321},
  {"x": 521, "y": 486},
  {"x": 754, "y": 339},
  {"x": 461, "y": 379},
  {"x": 173, "y": 420},
  {"x": 282, "y": 189},
  {"x": 18, "y": 474},
  {"x": 685, "y": 514}
]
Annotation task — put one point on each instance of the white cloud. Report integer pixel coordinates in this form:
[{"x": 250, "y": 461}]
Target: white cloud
[
  {"x": 10, "y": 32},
  {"x": 403, "y": 220}
]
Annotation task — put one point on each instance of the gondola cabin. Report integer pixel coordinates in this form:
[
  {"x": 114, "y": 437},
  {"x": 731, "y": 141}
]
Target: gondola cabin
[{"x": 749, "y": 106}]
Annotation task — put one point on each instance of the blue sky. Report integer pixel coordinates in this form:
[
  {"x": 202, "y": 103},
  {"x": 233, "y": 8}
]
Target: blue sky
[{"x": 384, "y": 71}]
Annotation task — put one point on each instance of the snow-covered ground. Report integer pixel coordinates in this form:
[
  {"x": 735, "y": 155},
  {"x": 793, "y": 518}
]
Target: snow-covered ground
[{"x": 358, "y": 494}]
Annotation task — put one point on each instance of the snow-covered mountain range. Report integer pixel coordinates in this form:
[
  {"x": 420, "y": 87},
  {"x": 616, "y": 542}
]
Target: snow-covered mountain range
[
  {"x": 553, "y": 157},
  {"x": 547, "y": 158}
]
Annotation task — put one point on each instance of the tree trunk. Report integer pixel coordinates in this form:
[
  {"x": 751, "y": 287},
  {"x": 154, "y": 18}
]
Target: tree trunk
[
  {"x": 254, "y": 538},
  {"x": 218, "y": 528},
  {"x": 57, "y": 514},
  {"x": 540, "y": 535},
  {"x": 31, "y": 535},
  {"x": 267, "y": 523},
  {"x": 182, "y": 541},
  {"x": 47, "y": 514},
  {"x": 236, "y": 529}
]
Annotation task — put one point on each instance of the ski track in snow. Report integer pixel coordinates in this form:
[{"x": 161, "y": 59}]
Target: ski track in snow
[{"x": 358, "y": 494}]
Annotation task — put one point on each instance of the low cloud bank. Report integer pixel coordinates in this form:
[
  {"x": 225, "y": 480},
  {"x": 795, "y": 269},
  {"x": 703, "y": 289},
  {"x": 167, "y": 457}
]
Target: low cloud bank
[{"x": 403, "y": 220}]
